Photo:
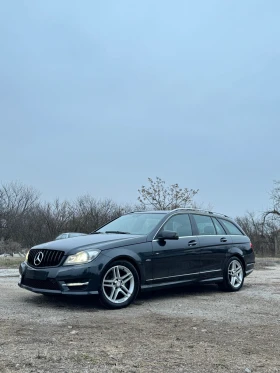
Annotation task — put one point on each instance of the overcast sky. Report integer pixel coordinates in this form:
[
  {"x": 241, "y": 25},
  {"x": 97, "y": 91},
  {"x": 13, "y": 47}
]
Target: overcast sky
[{"x": 97, "y": 96}]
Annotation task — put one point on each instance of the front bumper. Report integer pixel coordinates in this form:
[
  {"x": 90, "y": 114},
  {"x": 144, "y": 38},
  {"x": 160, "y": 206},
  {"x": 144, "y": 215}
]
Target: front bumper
[{"x": 67, "y": 280}]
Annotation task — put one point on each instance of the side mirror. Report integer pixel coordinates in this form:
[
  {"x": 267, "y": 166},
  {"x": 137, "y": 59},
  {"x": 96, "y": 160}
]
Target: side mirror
[{"x": 167, "y": 235}]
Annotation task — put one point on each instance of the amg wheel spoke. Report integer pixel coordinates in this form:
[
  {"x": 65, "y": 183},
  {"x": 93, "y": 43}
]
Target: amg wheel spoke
[
  {"x": 239, "y": 271},
  {"x": 116, "y": 293},
  {"x": 115, "y": 273},
  {"x": 108, "y": 283},
  {"x": 118, "y": 273},
  {"x": 238, "y": 280},
  {"x": 112, "y": 292},
  {"x": 124, "y": 293},
  {"x": 125, "y": 290},
  {"x": 127, "y": 278},
  {"x": 232, "y": 281}
]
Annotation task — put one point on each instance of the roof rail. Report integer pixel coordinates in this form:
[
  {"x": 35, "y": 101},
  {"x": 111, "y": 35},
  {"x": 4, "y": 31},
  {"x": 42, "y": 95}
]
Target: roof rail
[
  {"x": 131, "y": 212},
  {"x": 184, "y": 209},
  {"x": 202, "y": 210},
  {"x": 218, "y": 213}
]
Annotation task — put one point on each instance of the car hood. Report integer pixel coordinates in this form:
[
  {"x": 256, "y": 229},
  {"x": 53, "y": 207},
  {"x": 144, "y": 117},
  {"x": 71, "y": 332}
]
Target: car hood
[{"x": 98, "y": 241}]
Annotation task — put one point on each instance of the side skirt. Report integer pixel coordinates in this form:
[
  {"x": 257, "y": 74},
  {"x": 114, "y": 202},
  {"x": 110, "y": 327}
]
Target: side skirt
[{"x": 164, "y": 285}]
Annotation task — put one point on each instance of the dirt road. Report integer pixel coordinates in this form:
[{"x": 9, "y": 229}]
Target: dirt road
[{"x": 190, "y": 330}]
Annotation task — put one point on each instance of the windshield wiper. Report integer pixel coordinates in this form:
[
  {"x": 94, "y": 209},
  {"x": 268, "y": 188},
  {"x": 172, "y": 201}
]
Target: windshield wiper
[
  {"x": 117, "y": 232},
  {"x": 96, "y": 232}
]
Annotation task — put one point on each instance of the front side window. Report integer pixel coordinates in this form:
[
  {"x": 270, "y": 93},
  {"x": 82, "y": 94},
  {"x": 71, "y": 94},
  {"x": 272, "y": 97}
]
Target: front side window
[
  {"x": 231, "y": 227},
  {"x": 180, "y": 224},
  {"x": 205, "y": 225},
  {"x": 136, "y": 223}
]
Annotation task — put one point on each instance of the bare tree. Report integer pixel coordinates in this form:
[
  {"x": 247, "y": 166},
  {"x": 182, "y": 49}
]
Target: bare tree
[
  {"x": 56, "y": 217},
  {"x": 91, "y": 213},
  {"x": 275, "y": 198},
  {"x": 25, "y": 220},
  {"x": 263, "y": 233},
  {"x": 271, "y": 217},
  {"x": 17, "y": 197},
  {"x": 161, "y": 197},
  {"x": 16, "y": 201}
]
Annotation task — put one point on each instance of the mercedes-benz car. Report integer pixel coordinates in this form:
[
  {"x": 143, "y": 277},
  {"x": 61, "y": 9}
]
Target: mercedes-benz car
[{"x": 142, "y": 251}]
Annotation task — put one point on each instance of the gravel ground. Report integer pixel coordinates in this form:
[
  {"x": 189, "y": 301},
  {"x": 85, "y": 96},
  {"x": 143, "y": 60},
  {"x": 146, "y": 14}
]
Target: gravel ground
[{"x": 190, "y": 330}]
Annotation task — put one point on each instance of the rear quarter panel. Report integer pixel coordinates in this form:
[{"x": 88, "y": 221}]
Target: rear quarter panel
[{"x": 241, "y": 246}]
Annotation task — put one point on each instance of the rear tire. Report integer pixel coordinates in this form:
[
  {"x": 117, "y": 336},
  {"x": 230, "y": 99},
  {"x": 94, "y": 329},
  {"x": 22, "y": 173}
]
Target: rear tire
[
  {"x": 233, "y": 275},
  {"x": 119, "y": 285}
]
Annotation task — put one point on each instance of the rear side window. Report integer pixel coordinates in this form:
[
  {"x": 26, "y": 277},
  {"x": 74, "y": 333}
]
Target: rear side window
[
  {"x": 231, "y": 227},
  {"x": 205, "y": 225},
  {"x": 220, "y": 230}
]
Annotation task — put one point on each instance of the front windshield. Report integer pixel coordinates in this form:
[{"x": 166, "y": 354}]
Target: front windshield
[{"x": 136, "y": 223}]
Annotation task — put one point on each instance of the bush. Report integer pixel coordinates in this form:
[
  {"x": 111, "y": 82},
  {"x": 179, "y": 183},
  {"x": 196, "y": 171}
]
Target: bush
[{"x": 9, "y": 247}]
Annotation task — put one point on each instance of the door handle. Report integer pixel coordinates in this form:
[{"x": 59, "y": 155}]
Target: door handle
[
  {"x": 192, "y": 243},
  {"x": 223, "y": 239}
]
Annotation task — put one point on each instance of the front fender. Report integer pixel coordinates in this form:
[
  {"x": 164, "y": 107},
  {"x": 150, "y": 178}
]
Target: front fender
[{"x": 140, "y": 255}]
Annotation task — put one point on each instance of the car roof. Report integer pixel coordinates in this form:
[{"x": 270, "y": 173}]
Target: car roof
[
  {"x": 182, "y": 210},
  {"x": 150, "y": 212}
]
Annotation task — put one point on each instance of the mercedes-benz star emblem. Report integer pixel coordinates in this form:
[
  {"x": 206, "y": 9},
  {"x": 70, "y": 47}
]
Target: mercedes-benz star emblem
[{"x": 38, "y": 258}]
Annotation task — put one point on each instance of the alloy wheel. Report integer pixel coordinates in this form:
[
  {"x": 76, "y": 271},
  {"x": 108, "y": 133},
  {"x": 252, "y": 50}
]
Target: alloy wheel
[
  {"x": 118, "y": 284},
  {"x": 235, "y": 273}
]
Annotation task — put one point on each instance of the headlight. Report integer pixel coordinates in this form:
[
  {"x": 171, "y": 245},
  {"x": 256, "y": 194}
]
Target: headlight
[
  {"x": 82, "y": 257},
  {"x": 26, "y": 256}
]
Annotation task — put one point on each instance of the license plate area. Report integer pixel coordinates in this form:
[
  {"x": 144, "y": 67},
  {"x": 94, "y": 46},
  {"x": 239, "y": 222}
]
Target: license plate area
[{"x": 36, "y": 274}]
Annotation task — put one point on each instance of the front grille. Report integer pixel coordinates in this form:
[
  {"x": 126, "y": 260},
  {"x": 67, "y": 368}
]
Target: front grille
[
  {"x": 41, "y": 284},
  {"x": 49, "y": 258}
]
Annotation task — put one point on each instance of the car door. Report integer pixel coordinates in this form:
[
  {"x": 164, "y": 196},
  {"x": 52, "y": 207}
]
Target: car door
[
  {"x": 214, "y": 245},
  {"x": 176, "y": 260}
]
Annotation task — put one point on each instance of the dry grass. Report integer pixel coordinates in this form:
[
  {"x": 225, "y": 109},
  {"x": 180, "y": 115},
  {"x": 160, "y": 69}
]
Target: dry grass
[{"x": 10, "y": 262}]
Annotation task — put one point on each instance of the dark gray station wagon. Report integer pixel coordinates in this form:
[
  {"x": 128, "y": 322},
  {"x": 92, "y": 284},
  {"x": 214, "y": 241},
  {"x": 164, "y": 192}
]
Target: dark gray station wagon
[{"x": 142, "y": 251}]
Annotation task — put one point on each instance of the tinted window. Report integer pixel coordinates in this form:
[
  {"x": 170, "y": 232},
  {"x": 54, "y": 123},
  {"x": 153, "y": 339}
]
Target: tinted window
[
  {"x": 220, "y": 230},
  {"x": 204, "y": 224},
  {"x": 180, "y": 224},
  {"x": 231, "y": 227}
]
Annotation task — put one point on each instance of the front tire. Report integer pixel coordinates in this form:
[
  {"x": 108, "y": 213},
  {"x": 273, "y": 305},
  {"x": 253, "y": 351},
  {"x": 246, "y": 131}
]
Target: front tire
[
  {"x": 233, "y": 275},
  {"x": 119, "y": 285}
]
